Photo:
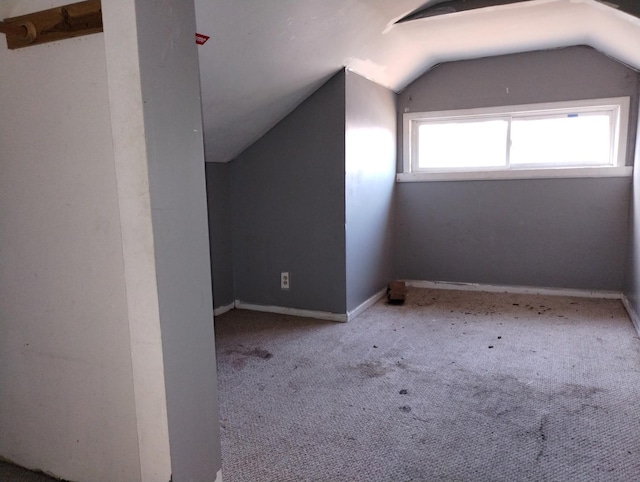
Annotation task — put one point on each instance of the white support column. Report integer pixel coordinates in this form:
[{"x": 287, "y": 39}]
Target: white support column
[{"x": 132, "y": 173}]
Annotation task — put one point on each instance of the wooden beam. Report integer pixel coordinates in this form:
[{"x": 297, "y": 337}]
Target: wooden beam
[{"x": 58, "y": 23}]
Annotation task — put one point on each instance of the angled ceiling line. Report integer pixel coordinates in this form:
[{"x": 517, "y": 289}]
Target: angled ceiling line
[
  {"x": 445, "y": 7},
  {"x": 264, "y": 59}
]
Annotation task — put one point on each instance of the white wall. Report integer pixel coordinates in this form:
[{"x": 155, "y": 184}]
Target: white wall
[
  {"x": 141, "y": 277},
  {"x": 67, "y": 401},
  {"x": 107, "y": 361}
]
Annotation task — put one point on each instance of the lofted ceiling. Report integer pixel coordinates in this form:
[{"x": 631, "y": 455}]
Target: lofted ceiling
[{"x": 265, "y": 57}]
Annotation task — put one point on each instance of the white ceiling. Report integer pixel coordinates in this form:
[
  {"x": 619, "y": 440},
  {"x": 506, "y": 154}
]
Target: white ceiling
[{"x": 265, "y": 57}]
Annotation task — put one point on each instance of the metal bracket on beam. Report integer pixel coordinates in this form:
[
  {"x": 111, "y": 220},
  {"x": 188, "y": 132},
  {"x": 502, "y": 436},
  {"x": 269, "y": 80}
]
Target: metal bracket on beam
[{"x": 58, "y": 23}]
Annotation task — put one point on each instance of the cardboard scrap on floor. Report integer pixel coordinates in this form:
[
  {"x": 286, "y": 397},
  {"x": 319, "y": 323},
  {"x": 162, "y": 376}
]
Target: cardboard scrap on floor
[{"x": 397, "y": 292}]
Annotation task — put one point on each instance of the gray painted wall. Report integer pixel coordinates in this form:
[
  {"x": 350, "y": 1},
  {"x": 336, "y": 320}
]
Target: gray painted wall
[
  {"x": 170, "y": 88},
  {"x": 287, "y": 191},
  {"x": 553, "y": 233},
  {"x": 572, "y": 73},
  {"x": 568, "y": 233},
  {"x": 370, "y": 180},
  {"x": 220, "y": 213}
]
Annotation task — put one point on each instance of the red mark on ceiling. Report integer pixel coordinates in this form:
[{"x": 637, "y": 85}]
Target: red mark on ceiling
[{"x": 201, "y": 39}]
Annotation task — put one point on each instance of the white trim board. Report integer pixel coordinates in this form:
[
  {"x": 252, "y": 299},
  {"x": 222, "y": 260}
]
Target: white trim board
[
  {"x": 635, "y": 319},
  {"x": 219, "y": 476},
  {"x": 283, "y": 310},
  {"x": 572, "y": 173},
  {"x": 523, "y": 290},
  {"x": 321, "y": 315},
  {"x": 367, "y": 304},
  {"x": 221, "y": 310}
]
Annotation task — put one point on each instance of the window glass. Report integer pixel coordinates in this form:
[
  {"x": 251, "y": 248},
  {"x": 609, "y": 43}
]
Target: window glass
[
  {"x": 463, "y": 144},
  {"x": 569, "y": 140},
  {"x": 574, "y": 135}
]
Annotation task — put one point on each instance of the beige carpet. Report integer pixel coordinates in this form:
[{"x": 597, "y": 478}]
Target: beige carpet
[{"x": 451, "y": 386}]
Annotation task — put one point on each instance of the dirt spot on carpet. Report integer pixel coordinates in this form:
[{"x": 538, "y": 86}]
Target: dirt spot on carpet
[
  {"x": 372, "y": 369},
  {"x": 239, "y": 363},
  {"x": 239, "y": 359},
  {"x": 260, "y": 353}
]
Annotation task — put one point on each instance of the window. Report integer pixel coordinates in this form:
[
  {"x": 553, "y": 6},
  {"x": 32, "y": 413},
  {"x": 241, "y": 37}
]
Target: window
[{"x": 565, "y": 139}]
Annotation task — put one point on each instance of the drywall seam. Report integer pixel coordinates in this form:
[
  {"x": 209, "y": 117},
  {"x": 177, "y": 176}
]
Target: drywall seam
[
  {"x": 351, "y": 315},
  {"x": 522, "y": 290},
  {"x": 281, "y": 310},
  {"x": 635, "y": 319},
  {"x": 132, "y": 178}
]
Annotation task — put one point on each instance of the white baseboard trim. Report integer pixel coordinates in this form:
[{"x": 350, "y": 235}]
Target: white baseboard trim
[
  {"x": 635, "y": 319},
  {"x": 282, "y": 310},
  {"x": 522, "y": 290},
  {"x": 219, "y": 476},
  {"x": 367, "y": 304},
  {"x": 221, "y": 310},
  {"x": 321, "y": 315}
]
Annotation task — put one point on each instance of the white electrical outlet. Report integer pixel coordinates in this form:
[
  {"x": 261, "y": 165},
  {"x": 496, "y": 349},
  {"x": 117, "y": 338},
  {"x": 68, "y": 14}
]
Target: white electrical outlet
[{"x": 285, "y": 280}]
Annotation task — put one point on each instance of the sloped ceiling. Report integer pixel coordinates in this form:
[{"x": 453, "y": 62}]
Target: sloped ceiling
[{"x": 265, "y": 57}]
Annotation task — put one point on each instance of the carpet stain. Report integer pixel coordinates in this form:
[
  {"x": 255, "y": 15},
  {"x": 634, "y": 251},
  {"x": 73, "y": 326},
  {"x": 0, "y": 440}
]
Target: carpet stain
[
  {"x": 572, "y": 390},
  {"x": 372, "y": 369},
  {"x": 239, "y": 361},
  {"x": 542, "y": 437},
  {"x": 260, "y": 353}
]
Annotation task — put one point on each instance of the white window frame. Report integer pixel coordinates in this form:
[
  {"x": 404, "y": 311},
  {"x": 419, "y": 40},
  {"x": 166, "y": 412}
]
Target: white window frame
[{"x": 616, "y": 107}]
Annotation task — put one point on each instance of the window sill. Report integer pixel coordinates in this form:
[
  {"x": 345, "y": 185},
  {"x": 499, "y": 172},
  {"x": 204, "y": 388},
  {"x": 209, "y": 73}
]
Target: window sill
[{"x": 575, "y": 172}]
